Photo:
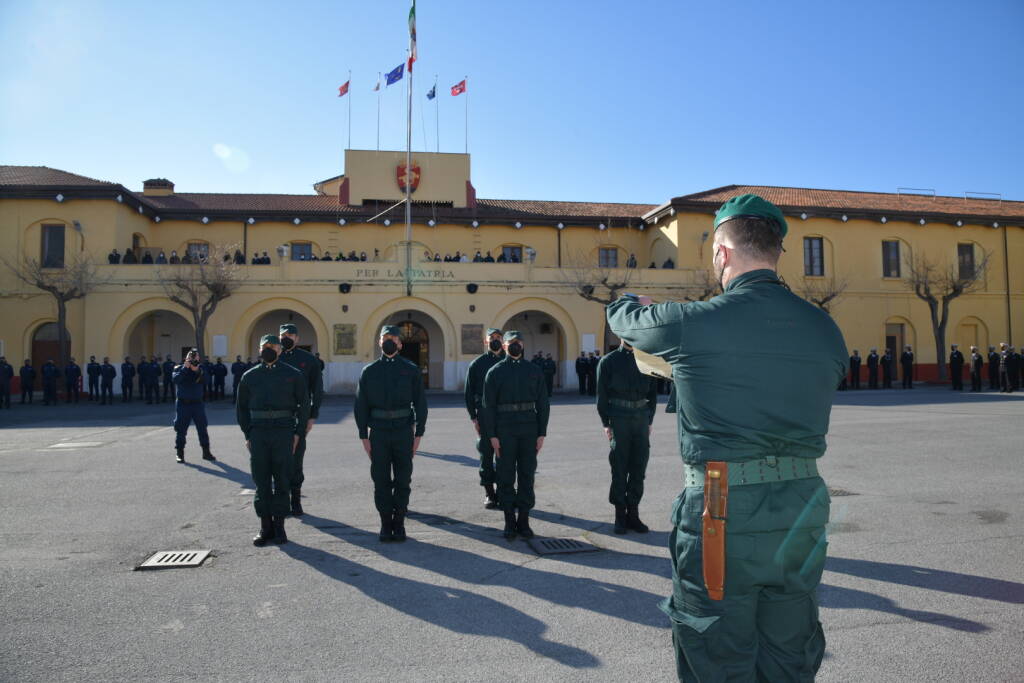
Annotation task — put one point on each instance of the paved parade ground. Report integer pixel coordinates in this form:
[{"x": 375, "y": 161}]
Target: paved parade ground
[{"x": 924, "y": 580}]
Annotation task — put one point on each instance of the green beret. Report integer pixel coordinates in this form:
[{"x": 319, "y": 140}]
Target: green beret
[
  {"x": 512, "y": 334},
  {"x": 269, "y": 339},
  {"x": 391, "y": 330},
  {"x": 493, "y": 330},
  {"x": 291, "y": 328},
  {"x": 752, "y": 206}
]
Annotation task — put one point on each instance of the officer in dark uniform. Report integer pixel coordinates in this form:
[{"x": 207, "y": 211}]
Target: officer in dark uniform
[
  {"x": 220, "y": 372},
  {"x": 142, "y": 372},
  {"x": 92, "y": 371},
  {"x": 167, "y": 372},
  {"x": 977, "y": 361},
  {"x": 873, "y": 369},
  {"x": 855, "y": 370},
  {"x": 907, "y": 365},
  {"x": 107, "y": 374},
  {"x": 593, "y": 360},
  {"x": 72, "y": 375},
  {"x": 238, "y": 369},
  {"x": 27, "y": 373},
  {"x": 549, "y": 368},
  {"x": 1015, "y": 369},
  {"x": 273, "y": 412},
  {"x": 307, "y": 364},
  {"x": 993, "y": 368},
  {"x": 127, "y": 375},
  {"x": 391, "y": 415},
  {"x": 51, "y": 373},
  {"x": 626, "y": 401},
  {"x": 750, "y": 433},
  {"x": 888, "y": 364},
  {"x": 6, "y": 375},
  {"x": 188, "y": 406},
  {"x": 1005, "y": 365},
  {"x": 474, "y": 395},
  {"x": 581, "y": 372},
  {"x": 956, "y": 368},
  {"x": 515, "y": 413},
  {"x": 208, "y": 381}
]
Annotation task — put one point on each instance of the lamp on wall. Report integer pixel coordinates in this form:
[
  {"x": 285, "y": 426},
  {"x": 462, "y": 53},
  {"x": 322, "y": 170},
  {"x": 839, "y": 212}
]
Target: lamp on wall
[
  {"x": 345, "y": 288},
  {"x": 341, "y": 221},
  {"x": 884, "y": 219},
  {"x": 251, "y": 221},
  {"x": 471, "y": 288}
]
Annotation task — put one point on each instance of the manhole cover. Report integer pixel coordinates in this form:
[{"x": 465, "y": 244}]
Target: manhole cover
[
  {"x": 840, "y": 492},
  {"x": 560, "y": 546},
  {"x": 175, "y": 559}
]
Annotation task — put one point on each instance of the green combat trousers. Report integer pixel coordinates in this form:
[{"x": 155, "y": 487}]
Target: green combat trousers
[
  {"x": 766, "y": 628},
  {"x": 297, "y": 477},
  {"x": 631, "y": 449},
  {"x": 486, "y": 451},
  {"x": 391, "y": 468},
  {"x": 516, "y": 467},
  {"x": 270, "y": 459}
]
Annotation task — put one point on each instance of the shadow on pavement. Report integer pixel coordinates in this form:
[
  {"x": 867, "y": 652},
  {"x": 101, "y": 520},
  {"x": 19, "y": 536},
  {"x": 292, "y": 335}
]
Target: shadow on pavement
[
  {"x": 450, "y": 457},
  {"x": 836, "y": 597},
  {"x": 653, "y": 538},
  {"x": 919, "y": 395},
  {"x": 932, "y": 579},
  {"x": 224, "y": 471}
]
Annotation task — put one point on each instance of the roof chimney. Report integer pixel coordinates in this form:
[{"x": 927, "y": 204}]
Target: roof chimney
[{"x": 157, "y": 187}]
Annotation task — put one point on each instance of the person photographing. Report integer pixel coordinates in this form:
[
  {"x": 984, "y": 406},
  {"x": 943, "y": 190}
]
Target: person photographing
[{"x": 188, "y": 405}]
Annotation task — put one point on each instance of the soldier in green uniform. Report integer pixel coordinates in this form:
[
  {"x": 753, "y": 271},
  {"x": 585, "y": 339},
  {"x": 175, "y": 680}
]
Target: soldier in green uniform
[
  {"x": 273, "y": 411},
  {"x": 309, "y": 366},
  {"x": 515, "y": 420},
  {"x": 391, "y": 414},
  {"x": 474, "y": 397},
  {"x": 765, "y": 415},
  {"x": 626, "y": 401}
]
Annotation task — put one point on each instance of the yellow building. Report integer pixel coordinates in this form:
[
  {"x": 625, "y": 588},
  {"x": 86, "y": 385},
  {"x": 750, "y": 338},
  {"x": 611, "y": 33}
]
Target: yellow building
[{"x": 552, "y": 251}]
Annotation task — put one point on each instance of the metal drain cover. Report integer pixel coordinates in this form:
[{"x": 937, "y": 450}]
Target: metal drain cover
[
  {"x": 175, "y": 559},
  {"x": 560, "y": 546}
]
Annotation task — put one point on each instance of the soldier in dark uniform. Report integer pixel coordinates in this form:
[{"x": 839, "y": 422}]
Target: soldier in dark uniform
[
  {"x": 1015, "y": 369},
  {"x": 142, "y": 372},
  {"x": 92, "y": 371},
  {"x": 907, "y": 365},
  {"x": 27, "y": 373},
  {"x": 320, "y": 361},
  {"x": 127, "y": 375},
  {"x": 855, "y": 370},
  {"x": 626, "y": 401},
  {"x": 391, "y": 415},
  {"x": 474, "y": 395},
  {"x": 977, "y": 361},
  {"x": 750, "y": 431},
  {"x": 956, "y": 368},
  {"x": 515, "y": 418},
  {"x": 238, "y": 369},
  {"x": 107, "y": 374},
  {"x": 581, "y": 372},
  {"x": 873, "y": 369},
  {"x": 208, "y": 381},
  {"x": 72, "y": 375},
  {"x": 188, "y": 406},
  {"x": 888, "y": 364},
  {"x": 6, "y": 375},
  {"x": 51, "y": 373},
  {"x": 307, "y": 364},
  {"x": 549, "y": 368},
  {"x": 993, "y": 368},
  {"x": 220, "y": 373},
  {"x": 273, "y": 413},
  {"x": 1005, "y": 367},
  {"x": 167, "y": 371},
  {"x": 594, "y": 359}
]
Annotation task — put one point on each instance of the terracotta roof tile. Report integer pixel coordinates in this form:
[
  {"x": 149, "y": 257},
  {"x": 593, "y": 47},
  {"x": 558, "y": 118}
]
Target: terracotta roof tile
[{"x": 43, "y": 176}]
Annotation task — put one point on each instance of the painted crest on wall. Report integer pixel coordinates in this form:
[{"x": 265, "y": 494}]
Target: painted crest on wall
[{"x": 414, "y": 177}]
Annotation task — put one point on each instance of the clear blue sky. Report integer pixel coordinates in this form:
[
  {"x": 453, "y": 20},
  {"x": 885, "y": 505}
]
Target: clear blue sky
[{"x": 633, "y": 101}]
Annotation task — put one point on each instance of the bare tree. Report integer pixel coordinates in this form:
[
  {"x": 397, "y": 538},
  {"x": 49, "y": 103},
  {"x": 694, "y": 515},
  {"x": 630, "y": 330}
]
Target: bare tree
[
  {"x": 593, "y": 281},
  {"x": 823, "y": 293},
  {"x": 703, "y": 287},
  {"x": 74, "y": 280},
  {"x": 200, "y": 286},
  {"x": 937, "y": 284}
]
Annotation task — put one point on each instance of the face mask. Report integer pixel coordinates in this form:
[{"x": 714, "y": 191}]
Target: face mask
[
  {"x": 494, "y": 345},
  {"x": 287, "y": 343},
  {"x": 515, "y": 349},
  {"x": 268, "y": 355},
  {"x": 389, "y": 347}
]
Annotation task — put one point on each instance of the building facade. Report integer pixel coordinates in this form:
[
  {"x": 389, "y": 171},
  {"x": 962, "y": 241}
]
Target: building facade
[{"x": 551, "y": 260}]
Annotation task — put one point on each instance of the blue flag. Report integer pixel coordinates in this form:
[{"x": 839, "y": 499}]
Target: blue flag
[
  {"x": 395, "y": 74},
  {"x": 432, "y": 93}
]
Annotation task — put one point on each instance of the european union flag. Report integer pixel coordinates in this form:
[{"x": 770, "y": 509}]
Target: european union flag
[
  {"x": 432, "y": 93},
  {"x": 395, "y": 74}
]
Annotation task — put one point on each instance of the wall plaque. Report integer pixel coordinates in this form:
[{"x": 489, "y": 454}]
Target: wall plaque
[
  {"x": 345, "y": 339},
  {"x": 472, "y": 339}
]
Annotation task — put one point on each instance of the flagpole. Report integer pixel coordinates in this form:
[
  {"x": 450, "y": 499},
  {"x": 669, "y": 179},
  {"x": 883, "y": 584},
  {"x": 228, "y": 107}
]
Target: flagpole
[
  {"x": 349, "y": 109},
  {"x": 467, "y": 114},
  {"x": 408, "y": 188},
  {"x": 437, "y": 113},
  {"x": 378, "y": 111}
]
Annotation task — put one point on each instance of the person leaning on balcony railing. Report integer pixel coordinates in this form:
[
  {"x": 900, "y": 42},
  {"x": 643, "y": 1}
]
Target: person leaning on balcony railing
[
  {"x": 147, "y": 258},
  {"x": 129, "y": 256},
  {"x": 161, "y": 258},
  {"x": 174, "y": 260},
  {"x": 113, "y": 257},
  {"x": 631, "y": 262}
]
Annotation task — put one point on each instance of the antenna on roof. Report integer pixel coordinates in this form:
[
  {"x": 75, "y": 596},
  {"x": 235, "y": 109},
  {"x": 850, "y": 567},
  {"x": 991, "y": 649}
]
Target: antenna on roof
[
  {"x": 983, "y": 195},
  {"x": 915, "y": 190}
]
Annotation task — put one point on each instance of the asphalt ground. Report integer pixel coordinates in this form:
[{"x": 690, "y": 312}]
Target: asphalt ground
[{"x": 924, "y": 580}]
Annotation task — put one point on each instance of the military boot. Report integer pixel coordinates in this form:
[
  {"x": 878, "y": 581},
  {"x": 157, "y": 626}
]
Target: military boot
[
  {"x": 523, "y": 523},
  {"x": 385, "y": 527},
  {"x": 207, "y": 455},
  {"x": 621, "y": 523},
  {"x": 297, "y": 503},
  {"x": 633, "y": 520},
  {"x": 266, "y": 531},
  {"x": 398, "y": 526},
  {"x": 490, "y": 497},
  {"x": 279, "y": 535},
  {"x": 510, "y": 525},
  {"x": 180, "y": 454}
]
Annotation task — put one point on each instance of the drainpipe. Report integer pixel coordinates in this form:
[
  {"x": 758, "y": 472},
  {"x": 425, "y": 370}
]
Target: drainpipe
[
  {"x": 559, "y": 247},
  {"x": 245, "y": 238},
  {"x": 1006, "y": 272}
]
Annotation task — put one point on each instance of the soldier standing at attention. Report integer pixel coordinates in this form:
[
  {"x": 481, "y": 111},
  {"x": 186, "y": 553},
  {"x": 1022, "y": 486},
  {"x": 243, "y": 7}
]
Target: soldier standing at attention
[
  {"x": 515, "y": 419},
  {"x": 993, "y": 368},
  {"x": 27, "y": 373},
  {"x": 167, "y": 370},
  {"x": 92, "y": 371},
  {"x": 581, "y": 372},
  {"x": 72, "y": 374},
  {"x": 6, "y": 375},
  {"x": 220, "y": 372},
  {"x": 238, "y": 369},
  {"x": 1005, "y": 368},
  {"x": 750, "y": 433},
  {"x": 626, "y": 401},
  {"x": 127, "y": 374},
  {"x": 273, "y": 413},
  {"x": 208, "y": 381},
  {"x": 391, "y": 415},
  {"x": 977, "y": 361},
  {"x": 956, "y": 368},
  {"x": 888, "y": 364},
  {"x": 907, "y": 364},
  {"x": 51, "y": 373},
  {"x": 188, "y": 407},
  {"x": 550, "y": 368},
  {"x": 855, "y": 370},
  {"x": 309, "y": 367},
  {"x": 107, "y": 374},
  {"x": 873, "y": 369},
  {"x": 474, "y": 399},
  {"x": 142, "y": 371}
]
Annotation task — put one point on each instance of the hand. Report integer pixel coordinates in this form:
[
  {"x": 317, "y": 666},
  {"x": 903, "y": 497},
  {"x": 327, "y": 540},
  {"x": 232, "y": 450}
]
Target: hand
[
  {"x": 650, "y": 429},
  {"x": 366, "y": 447},
  {"x": 476, "y": 426},
  {"x": 540, "y": 443},
  {"x": 309, "y": 425},
  {"x": 248, "y": 445},
  {"x": 608, "y": 432},
  {"x": 645, "y": 300},
  {"x": 415, "y": 444},
  {"x": 496, "y": 445},
  {"x": 295, "y": 443}
]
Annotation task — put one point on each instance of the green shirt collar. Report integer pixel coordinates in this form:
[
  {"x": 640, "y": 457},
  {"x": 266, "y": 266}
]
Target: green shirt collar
[{"x": 752, "y": 276}]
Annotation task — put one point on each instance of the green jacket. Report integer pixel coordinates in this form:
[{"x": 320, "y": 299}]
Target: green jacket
[
  {"x": 309, "y": 366},
  {"x": 475, "y": 380},
  {"x": 390, "y": 384},
  {"x": 277, "y": 387},
  {"x": 618, "y": 379},
  {"x": 514, "y": 381},
  {"x": 755, "y": 368}
]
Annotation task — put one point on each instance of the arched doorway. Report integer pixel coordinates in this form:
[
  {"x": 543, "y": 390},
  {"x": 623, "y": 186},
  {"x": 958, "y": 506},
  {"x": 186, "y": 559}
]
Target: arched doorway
[
  {"x": 422, "y": 343},
  {"x": 971, "y": 331},
  {"x": 160, "y": 333},
  {"x": 46, "y": 347},
  {"x": 898, "y": 333},
  {"x": 270, "y": 323},
  {"x": 541, "y": 332}
]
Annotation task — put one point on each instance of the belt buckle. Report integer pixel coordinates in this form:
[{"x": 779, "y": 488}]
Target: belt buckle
[{"x": 771, "y": 461}]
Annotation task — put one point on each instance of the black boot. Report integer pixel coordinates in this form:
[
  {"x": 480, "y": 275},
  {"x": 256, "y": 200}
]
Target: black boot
[
  {"x": 297, "y": 503},
  {"x": 510, "y": 525},
  {"x": 633, "y": 520},
  {"x": 490, "y": 497},
  {"x": 180, "y": 454},
  {"x": 621, "y": 525},
  {"x": 279, "y": 535},
  {"x": 385, "y": 527},
  {"x": 398, "y": 526},
  {"x": 523, "y": 523},
  {"x": 266, "y": 533},
  {"x": 207, "y": 455}
]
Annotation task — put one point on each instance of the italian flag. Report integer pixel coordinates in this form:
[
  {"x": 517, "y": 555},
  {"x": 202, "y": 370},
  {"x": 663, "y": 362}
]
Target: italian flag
[{"x": 412, "y": 34}]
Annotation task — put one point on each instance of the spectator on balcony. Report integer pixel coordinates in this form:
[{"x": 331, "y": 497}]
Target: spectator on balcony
[
  {"x": 488, "y": 258},
  {"x": 239, "y": 258},
  {"x": 265, "y": 260},
  {"x": 631, "y": 262},
  {"x": 147, "y": 258},
  {"x": 514, "y": 258},
  {"x": 312, "y": 257},
  {"x": 477, "y": 258},
  {"x": 362, "y": 256},
  {"x": 113, "y": 257},
  {"x": 531, "y": 254},
  {"x": 174, "y": 260},
  {"x": 653, "y": 265},
  {"x": 161, "y": 258},
  {"x": 129, "y": 256},
  {"x": 352, "y": 256},
  {"x": 668, "y": 264},
  {"x": 340, "y": 256},
  {"x": 186, "y": 259},
  {"x": 426, "y": 256},
  {"x": 464, "y": 259},
  {"x": 227, "y": 257},
  {"x": 327, "y": 256},
  {"x": 501, "y": 258},
  {"x": 255, "y": 258},
  {"x": 376, "y": 255},
  {"x": 437, "y": 257}
]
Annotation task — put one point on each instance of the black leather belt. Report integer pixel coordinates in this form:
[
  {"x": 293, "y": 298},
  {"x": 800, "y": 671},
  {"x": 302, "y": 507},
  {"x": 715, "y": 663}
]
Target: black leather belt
[
  {"x": 516, "y": 407},
  {"x": 270, "y": 414},
  {"x": 623, "y": 403},
  {"x": 390, "y": 414}
]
